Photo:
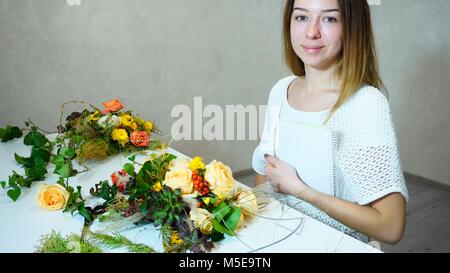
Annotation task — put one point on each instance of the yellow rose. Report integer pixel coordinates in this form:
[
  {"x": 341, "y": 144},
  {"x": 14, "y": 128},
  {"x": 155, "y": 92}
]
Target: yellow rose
[
  {"x": 179, "y": 164},
  {"x": 246, "y": 200},
  {"x": 52, "y": 197},
  {"x": 220, "y": 179},
  {"x": 202, "y": 220},
  {"x": 180, "y": 179}
]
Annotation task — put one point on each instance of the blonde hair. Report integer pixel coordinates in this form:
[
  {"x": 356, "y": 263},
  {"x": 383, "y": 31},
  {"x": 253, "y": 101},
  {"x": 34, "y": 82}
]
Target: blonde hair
[{"x": 357, "y": 64}]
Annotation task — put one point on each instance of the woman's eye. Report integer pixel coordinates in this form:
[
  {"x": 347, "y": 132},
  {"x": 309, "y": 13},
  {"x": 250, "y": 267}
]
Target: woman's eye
[
  {"x": 301, "y": 18},
  {"x": 330, "y": 19}
]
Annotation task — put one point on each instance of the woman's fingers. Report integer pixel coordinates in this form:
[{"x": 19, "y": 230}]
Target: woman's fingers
[{"x": 271, "y": 160}]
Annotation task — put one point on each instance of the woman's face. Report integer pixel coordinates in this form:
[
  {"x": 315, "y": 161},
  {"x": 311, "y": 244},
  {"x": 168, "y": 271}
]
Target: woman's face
[{"x": 316, "y": 32}]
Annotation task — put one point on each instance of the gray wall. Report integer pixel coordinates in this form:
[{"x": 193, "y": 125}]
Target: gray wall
[{"x": 157, "y": 54}]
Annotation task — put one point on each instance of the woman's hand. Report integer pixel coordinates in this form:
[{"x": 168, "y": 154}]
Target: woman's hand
[{"x": 284, "y": 177}]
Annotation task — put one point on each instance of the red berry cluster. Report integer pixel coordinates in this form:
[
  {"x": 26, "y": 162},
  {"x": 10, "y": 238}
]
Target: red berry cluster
[
  {"x": 120, "y": 179},
  {"x": 200, "y": 184}
]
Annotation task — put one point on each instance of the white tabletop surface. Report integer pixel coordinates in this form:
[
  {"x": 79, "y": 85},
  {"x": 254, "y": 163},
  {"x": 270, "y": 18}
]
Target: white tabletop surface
[{"x": 23, "y": 222}]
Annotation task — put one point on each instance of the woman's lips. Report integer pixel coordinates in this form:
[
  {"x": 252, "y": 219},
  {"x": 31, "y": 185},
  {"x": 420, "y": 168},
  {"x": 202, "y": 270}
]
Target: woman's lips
[{"x": 312, "y": 49}]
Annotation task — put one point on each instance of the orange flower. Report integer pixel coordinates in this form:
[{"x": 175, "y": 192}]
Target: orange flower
[
  {"x": 139, "y": 138},
  {"x": 112, "y": 106}
]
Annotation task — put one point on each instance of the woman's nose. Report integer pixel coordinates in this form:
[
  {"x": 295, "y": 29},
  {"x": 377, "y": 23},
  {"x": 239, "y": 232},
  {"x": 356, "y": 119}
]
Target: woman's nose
[{"x": 313, "y": 30}]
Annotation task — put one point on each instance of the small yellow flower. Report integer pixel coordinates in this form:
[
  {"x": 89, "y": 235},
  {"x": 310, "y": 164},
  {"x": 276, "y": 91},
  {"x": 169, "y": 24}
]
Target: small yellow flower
[
  {"x": 94, "y": 116},
  {"x": 126, "y": 120},
  {"x": 175, "y": 238},
  {"x": 148, "y": 126},
  {"x": 157, "y": 187},
  {"x": 197, "y": 163},
  {"x": 133, "y": 126},
  {"x": 120, "y": 135},
  {"x": 220, "y": 198},
  {"x": 206, "y": 200}
]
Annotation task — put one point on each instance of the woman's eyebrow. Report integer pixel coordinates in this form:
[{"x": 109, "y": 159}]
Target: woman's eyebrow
[{"x": 323, "y": 11}]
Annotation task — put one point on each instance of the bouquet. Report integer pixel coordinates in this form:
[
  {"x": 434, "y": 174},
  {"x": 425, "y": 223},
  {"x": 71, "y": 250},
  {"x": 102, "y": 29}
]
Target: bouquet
[
  {"x": 194, "y": 204},
  {"x": 89, "y": 135}
]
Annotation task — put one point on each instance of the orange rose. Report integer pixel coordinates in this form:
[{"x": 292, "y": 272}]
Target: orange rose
[
  {"x": 112, "y": 106},
  {"x": 139, "y": 138}
]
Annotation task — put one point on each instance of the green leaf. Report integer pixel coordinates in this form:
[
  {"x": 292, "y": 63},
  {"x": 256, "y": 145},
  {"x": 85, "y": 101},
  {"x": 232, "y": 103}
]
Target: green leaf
[
  {"x": 129, "y": 168},
  {"x": 9, "y": 133},
  {"x": 84, "y": 212},
  {"x": 233, "y": 219},
  {"x": 35, "y": 138},
  {"x": 218, "y": 227},
  {"x": 36, "y": 173},
  {"x": 3, "y": 183},
  {"x": 217, "y": 236},
  {"x": 63, "y": 170},
  {"x": 41, "y": 152},
  {"x": 132, "y": 158},
  {"x": 58, "y": 160},
  {"x": 221, "y": 211},
  {"x": 25, "y": 161},
  {"x": 70, "y": 153},
  {"x": 14, "y": 193},
  {"x": 38, "y": 161}
]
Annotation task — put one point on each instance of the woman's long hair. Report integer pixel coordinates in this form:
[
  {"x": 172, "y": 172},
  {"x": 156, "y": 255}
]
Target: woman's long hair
[{"x": 357, "y": 64}]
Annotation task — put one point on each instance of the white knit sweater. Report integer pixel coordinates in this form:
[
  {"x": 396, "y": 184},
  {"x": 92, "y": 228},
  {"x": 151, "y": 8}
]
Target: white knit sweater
[{"x": 367, "y": 160}]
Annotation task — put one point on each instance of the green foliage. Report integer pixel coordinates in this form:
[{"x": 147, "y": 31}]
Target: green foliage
[
  {"x": 35, "y": 166},
  {"x": 76, "y": 203},
  {"x": 56, "y": 243},
  {"x": 117, "y": 240},
  {"x": 104, "y": 191},
  {"x": 152, "y": 171},
  {"x": 10, "y": 133},
  {"x": 226, "y": 218},
  {"x": 166, "y": 206}
]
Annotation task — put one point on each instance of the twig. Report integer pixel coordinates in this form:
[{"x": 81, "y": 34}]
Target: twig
[
  {"x": 44, "y": 131},
  {"x": 73, "y": 101}
]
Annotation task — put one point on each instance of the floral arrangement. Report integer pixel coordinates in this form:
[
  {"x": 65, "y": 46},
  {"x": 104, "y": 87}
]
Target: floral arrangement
[
  {"x": 87, "y": 135},
  {"x": 194, "y": 204}
]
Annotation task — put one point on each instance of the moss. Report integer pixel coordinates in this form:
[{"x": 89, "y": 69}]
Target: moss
[
  {"x": 95, "y": 149},
  {"x": 55, "y": 243}
]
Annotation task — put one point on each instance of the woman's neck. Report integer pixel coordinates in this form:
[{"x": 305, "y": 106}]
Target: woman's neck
[{"x": 317, "y": 80}]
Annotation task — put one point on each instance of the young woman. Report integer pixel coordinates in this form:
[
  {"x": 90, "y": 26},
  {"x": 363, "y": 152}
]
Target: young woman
[{"x": 329, "y": 47}]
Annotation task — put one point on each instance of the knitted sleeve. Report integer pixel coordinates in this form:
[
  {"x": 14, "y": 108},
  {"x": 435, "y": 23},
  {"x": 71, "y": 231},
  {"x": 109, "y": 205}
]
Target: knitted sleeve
[{"x": 368, "y": 158}]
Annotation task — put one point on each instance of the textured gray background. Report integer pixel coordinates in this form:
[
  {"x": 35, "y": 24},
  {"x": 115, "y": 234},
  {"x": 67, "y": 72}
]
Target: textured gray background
[{"x": 157, "y": 54}]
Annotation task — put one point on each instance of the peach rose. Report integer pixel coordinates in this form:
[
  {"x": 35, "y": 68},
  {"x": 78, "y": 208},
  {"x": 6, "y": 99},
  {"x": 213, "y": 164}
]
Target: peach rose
[
  {"x": 52, "y": 197},
  {"x": 202, "y": 220},
  {"x": 248, "y": 203},
  {"x": 220, "y": 179},
  {"x": 180, "y": 163},
  {"x": 180, "y": 179},
  {"x": 139, "y": 138},
  {"x": 112, "y": 106}
]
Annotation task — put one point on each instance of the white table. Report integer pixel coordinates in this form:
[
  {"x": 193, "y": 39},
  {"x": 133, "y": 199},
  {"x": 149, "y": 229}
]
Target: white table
[{"x": 23, "y": 222}]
